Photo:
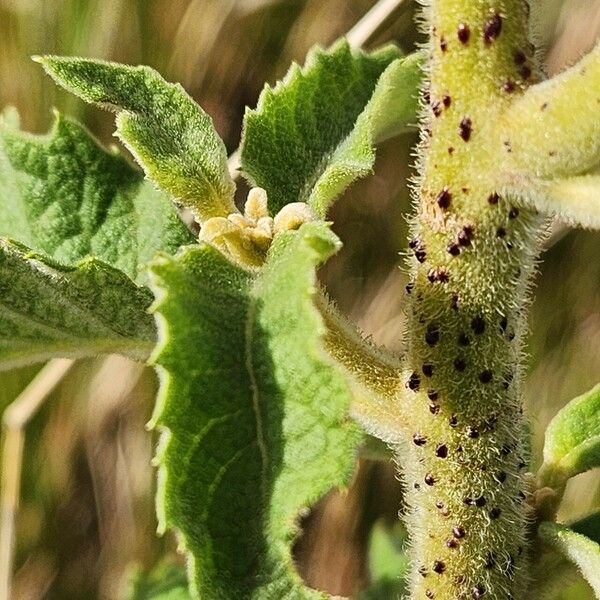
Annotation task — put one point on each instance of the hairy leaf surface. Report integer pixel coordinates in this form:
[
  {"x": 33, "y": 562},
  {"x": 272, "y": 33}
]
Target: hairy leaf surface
[
  {"x": 579, "y": 549},
  {"x": 165, "y": 582},
  {"x": 573, "y": 200},
  {"x": 47, "y": 309},
  {"x": 254, "y": 413},
  {"x": 64, "y": 195},
  {"x": 572, "y": 443},
  {"x": 313, "y": 133},
  {"x": 588, "y": 526},
  {"x": 171, "y": 137}
]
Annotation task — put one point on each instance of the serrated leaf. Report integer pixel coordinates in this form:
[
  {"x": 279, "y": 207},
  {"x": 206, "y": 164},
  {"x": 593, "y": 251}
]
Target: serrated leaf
[
  {"x": 171, "y": 137},
  {"x": 254, "y": 412},
  {"x": 313, "y": 134},
  {"x": 579, "y": 549},
  {"x": 47, "y": 309},
  {"x": 572, "y": 441},
  {"x": 64, "y": 195}
]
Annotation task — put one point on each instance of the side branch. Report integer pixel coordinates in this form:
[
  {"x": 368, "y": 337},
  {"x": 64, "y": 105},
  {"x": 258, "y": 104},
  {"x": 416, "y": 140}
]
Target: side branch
[{"x": 553, "y": 130}]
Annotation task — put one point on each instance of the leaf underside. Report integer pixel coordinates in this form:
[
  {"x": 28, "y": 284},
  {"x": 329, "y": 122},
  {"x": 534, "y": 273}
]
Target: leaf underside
[
  {"x": 84, "y": 224},
  {"x": 254, "y": 414},
  {"x": 171, "y": 137},
  {"x": 49, "y": 310},
  {"x": 313, "y": 133},
  {"x": 577, "y": 548}
]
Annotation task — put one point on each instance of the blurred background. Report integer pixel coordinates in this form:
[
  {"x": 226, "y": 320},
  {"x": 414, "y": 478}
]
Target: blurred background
[{"x": 86, "y": 519}]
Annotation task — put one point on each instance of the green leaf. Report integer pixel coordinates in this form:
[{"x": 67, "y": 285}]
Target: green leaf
[
  {"x": 572, "y": 443},
  {"x": 65, "y": 196},
  {"x": 313, "y": 134},
  {"x": 579, "y": 549},
  {"x": 47, "y": 309},
  {"x": 171, "y": 137},
  {"x": 165, "y": 582},
  {"x": 588, "y": 526},
  {"x": 254, "y": 412}
]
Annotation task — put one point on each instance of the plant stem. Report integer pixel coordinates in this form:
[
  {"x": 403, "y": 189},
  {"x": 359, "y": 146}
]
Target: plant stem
[{"x": 472, "y": 260}]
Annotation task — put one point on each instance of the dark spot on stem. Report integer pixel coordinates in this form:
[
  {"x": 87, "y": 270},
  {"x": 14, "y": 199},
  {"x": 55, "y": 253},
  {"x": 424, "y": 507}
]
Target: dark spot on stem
[
  {"x": 427, "y": 370},
  {"x": 513, "y": 213},
  {"x": 463, "y": 339},
  {"x": 444, "y": 198},
  {"x": 438, "y": 567},
  {"x": 508, "y": 86},
  {"x": 452, "y": 544},
  {"x": 500, "y": 476},
  {"x": 432, "y": 334},
  {"x": 519, "y": 57},
  {"x": 465, "y": 129},
  {"x": 443, "y": 44},
  {"x": 495, "y": 513},
  {"x": 493, "y": 198},
  {"x": 480, "y": 502},
  {"x": 492, "y": 29},
  {"x": 446, "y": 100},
  {"x": 463, "y": 33},
  {"x": 464, "y": 237},
  {"x": 500, "y": 232},
  {"x": 429, "y": 479},
  {"x": 436, "y": 107},
  {"x": 458, "y": 532},
  {"x": 450, "y": 149},
  {"x": 478, "y": 325},
  {"x": 485, "y": 376},
  {"x": 432, "y": 395},
  {"x": 459, "y": 364},
  {"x": 441, "y": 451},
  {"x": 419, "y": 439},
  {"x": 414, "y": 381},
  {"x": 525, "y": 71},
  {"x": 453, "y": 421},
  {"x": 454, "y": 249},
  {"x": 434, "y": 409},
  {"x": 472, "y": 432}
]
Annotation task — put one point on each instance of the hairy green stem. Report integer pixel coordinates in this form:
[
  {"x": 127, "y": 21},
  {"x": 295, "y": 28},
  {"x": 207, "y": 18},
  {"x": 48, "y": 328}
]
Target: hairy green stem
[{"x": 472, "y": 257}]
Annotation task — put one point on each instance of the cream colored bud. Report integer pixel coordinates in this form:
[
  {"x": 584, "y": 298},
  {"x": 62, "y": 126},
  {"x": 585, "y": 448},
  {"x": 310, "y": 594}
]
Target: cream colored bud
[
  {"x": 256, "y": 204},
  {"x": 291, "y": 216}
]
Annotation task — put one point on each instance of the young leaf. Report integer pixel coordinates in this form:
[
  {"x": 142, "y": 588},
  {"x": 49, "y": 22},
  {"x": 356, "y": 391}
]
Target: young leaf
[
  {"x": 63, "y": 195},
  {"x": 171, "y": 137},
  {"x": 312, "y": 134},
  {"x": 579, "y": 549},
  {"x": 573, "y": 200},
  {"x": 572, "y": 443},
  {"x": 553, "y": 129},
  {"x": 254, "y": 412},
  {"x": 47, "y": 310}
]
